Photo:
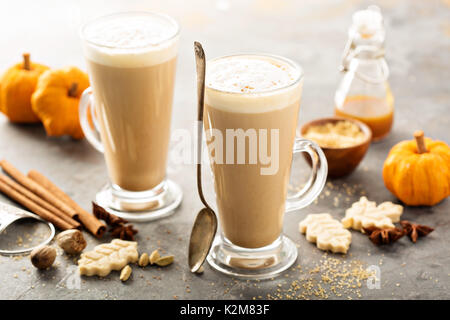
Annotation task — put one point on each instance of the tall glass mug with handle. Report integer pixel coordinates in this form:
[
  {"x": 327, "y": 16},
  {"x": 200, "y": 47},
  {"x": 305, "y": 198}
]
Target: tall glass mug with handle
[
  {"x": 250, "y": 117},
  {"x": 126, "y": 113}
]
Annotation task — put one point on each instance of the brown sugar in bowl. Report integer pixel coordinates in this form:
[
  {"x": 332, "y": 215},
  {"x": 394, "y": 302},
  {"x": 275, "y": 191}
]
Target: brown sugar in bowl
[{"x": 342, "y": 160}]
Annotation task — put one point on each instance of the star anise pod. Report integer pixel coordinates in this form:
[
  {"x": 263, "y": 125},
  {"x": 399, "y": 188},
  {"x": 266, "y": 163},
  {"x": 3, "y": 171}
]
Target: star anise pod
[
  {"x": 119, "y": 228},
  {"x": 383, "y": 236},
  {"x": 414, "y": 230},
  {"x": 123, "y": 232}
]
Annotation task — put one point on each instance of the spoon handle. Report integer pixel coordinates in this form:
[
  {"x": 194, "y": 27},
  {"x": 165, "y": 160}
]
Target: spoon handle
[
  {"x": 201, "y": 67},
  {"x": 200, "y": 61}
]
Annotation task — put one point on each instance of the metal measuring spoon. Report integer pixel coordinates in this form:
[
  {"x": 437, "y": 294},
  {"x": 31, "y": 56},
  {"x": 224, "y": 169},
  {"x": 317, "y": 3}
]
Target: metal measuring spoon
[
  {"x": 205, "y": 224},
  {"x": 9, "y": 214}
]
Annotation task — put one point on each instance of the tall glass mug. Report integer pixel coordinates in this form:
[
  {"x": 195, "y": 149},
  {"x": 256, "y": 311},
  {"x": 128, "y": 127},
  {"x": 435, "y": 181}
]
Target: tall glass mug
[
  {"x": 251, "y": 110},
  {"x": 126, "y": 114}
]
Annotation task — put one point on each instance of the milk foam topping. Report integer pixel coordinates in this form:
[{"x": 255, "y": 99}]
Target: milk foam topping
[
  {"x": 252, "y": 83},
  {"x": 131, "y": 39}
]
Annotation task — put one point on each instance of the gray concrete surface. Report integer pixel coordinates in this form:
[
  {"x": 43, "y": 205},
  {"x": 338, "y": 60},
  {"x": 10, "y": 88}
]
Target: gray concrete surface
[{"x": 310, "y": 32}]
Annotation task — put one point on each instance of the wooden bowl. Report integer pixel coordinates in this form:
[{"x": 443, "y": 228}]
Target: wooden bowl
[{"x": 342, "y": 161}]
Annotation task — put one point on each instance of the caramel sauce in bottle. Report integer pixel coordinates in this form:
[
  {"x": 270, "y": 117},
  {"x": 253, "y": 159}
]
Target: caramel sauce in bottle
[
  {"x": 377, "y": 113},
  {"x": 364, "y": 93}
]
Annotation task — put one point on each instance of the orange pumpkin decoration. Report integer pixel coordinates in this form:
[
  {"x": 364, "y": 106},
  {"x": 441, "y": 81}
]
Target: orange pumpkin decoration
[
  {"x": 16, "y": 87},
  {"x": 418, "y": 171},
  {"x": 56, "y": 100}
]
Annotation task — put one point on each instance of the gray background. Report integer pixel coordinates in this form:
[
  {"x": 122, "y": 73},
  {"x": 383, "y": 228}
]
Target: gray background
[{"x": 310, "y": 32}]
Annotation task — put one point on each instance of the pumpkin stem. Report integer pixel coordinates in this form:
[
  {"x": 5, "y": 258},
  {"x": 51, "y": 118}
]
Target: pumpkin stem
[
  {"x": 418, "y": 135},
  {"x": 26, "y": 61},
  {"x": 73, "y": 90}
]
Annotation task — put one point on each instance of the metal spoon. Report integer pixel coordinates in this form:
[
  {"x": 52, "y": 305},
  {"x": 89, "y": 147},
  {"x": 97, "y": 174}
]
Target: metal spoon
[{"x": 205, "y": 224}]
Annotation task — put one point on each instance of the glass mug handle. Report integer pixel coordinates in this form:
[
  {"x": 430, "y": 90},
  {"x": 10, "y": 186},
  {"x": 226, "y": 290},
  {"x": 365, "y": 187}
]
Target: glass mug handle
[
  {"x": 317, "y": 179},
  {"x": 89, "y": 126}
]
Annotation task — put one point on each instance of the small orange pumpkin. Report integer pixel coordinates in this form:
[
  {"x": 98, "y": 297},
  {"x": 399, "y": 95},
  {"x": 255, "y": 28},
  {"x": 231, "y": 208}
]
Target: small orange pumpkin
[
  {"x": 418, "y": 171},
  {"x": 16, "y": 87},
  {"x": 56, "y": 100}
]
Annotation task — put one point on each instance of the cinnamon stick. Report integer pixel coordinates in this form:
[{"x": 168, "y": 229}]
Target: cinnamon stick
[
  {"x": 95, "y": 226},
  {"x": 37, "y": 189},
  {"x": 32, "y": 206},
  {"x": 40, "y": 202},
  {"x": 420, "y": 141}
]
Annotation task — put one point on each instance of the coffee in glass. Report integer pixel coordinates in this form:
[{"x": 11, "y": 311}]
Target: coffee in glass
[
  {"x": 131, "y": 60},
  {"x": 250, "y": 118}
]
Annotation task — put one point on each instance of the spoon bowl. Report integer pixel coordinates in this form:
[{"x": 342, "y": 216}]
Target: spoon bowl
[{"x": 202, "y": 236}]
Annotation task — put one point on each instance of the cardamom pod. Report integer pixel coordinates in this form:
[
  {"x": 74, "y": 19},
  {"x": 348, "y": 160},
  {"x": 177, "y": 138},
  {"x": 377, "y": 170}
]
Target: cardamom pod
[
  {"x": 143, "y": 260},
  {"x": 154, "y": 256},
  {"x": 164, "y": 261},
  {"x": 125, "y": 273}
]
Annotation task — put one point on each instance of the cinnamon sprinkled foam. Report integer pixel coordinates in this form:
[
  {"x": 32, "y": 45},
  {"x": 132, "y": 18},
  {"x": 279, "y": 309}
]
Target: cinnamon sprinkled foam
[{"x": 252, "y": 83}]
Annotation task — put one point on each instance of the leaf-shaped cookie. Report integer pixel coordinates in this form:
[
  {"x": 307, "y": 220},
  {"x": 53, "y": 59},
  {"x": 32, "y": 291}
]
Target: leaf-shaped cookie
[
  {"x": 107, "y": 257},
  {"x": 326, "y": 232},
  {"x": 366, "y": 214}
]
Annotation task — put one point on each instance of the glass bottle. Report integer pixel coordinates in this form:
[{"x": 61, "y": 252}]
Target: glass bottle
[{"x": 364, "y": 93}]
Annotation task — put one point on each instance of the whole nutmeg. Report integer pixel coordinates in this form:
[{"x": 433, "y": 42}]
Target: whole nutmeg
[
  {"x": 43, "y": 257},
  {"x": 71, "y": 241}
]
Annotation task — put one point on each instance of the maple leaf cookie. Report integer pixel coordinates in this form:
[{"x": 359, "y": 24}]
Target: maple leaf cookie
[
  {"x": 365, "y": 214},
  {"x": 326, "y": 232}
]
